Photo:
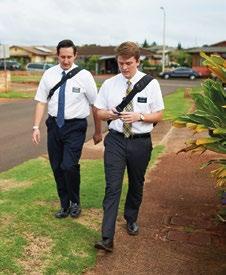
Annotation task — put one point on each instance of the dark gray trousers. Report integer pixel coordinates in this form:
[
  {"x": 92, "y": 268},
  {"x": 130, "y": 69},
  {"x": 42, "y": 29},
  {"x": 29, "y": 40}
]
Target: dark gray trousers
[{"x": 121, "y": 153}]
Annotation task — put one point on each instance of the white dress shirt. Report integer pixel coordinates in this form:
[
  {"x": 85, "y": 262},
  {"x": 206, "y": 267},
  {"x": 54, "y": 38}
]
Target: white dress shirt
[
  {"x": 149, "y": 100},
  {"x": 80, "y": 92}
]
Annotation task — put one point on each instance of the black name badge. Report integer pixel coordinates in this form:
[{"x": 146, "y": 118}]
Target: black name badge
[{"x": 142, "y": 99}]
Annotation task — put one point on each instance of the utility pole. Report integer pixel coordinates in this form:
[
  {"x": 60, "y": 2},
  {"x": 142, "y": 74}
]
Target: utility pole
[{"x": 163, "y": 39}]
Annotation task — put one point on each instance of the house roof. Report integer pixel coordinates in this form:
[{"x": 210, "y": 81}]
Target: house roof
[
  {"x": 207, "y": 50},
  {"x": 37, "y": 50},
  {"x": 219, "y": 44},
  {"x": 159, "y": 48},
  {"x": 86, "y": 50}
]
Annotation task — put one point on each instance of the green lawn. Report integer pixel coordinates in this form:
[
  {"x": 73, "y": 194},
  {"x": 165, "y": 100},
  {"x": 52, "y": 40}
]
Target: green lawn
[
  {"x": 26, "y": 77},
  {"x": 32, "y": 240},
  {"x": 17, "y": 94},
  {"x": 176, "y": 104}
]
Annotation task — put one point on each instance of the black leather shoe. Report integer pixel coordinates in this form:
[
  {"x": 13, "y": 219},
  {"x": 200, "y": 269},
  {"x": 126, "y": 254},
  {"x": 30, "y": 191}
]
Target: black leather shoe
[
  {"x": 62, "y": 213},
  {"x": 106, "y": 244},
  {"x": 75, "y": 210},
  {"x": 132, "y": 228}
]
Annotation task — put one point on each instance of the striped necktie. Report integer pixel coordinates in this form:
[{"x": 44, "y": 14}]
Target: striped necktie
[
  {"x": 61, "y": 104},
  {"x": 127, "y": 127}
]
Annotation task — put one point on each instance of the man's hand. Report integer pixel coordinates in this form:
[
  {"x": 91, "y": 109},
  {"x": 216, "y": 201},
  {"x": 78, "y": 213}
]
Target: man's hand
[
  {"x": 129, "y": 117},
  {"x": 113, "y": 114},
  {"x": 36, "y": 137},
  {"x": 97, "y": 138}
]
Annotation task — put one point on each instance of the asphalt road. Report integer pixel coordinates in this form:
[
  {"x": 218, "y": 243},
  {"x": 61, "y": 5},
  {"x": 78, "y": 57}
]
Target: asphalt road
[
  {"x": 16, "y": 129},
  {"x": 16, "y": 123}
]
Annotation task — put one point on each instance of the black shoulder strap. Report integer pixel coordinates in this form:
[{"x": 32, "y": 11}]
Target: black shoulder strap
[
  {"x": 70, "y": 74},
  {"x": 138, "y": 87}
]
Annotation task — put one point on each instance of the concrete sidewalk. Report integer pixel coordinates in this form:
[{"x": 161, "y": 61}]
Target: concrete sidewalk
[{"x": 179, "y": 231}]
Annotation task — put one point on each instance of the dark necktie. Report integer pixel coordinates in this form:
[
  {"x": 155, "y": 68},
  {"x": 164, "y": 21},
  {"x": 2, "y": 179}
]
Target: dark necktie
[
  {"x": 127, "y": 127},
  {"x": 61, "y": 104}
]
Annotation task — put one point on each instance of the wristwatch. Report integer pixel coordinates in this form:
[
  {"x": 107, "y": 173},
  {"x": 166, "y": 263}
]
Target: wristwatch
[
  {"x": 141, "y": 117},
  {"x": 35, "y": 128}
]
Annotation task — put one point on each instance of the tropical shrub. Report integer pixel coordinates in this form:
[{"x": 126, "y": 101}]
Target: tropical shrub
[{"x": 209, "y": 117}]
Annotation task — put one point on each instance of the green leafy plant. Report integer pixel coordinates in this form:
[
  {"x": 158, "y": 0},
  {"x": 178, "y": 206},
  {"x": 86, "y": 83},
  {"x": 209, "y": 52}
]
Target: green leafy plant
[{"x": 209, "y": 117}]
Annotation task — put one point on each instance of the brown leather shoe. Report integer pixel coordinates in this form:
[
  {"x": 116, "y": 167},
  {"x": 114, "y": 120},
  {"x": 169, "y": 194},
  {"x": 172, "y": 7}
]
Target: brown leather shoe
[
  {"x": 132, "y": 228},
  {"x": 106, "y": 244}
]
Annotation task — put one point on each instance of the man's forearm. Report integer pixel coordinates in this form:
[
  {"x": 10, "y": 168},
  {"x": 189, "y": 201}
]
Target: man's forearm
[
  {"x": 153, "y": 117},
  {"x": 39, "y": 113},
  {"x": 97, "y": 120}
]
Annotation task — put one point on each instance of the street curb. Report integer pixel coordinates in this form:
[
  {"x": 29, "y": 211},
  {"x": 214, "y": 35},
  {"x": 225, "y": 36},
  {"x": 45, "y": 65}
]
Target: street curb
[{"x": 166, "y": 137}]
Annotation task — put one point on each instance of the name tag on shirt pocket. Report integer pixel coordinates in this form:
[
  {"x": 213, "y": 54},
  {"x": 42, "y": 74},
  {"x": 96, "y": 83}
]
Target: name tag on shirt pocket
[
  {"x": 76, "y": 90},
  {"x": 142, "y": 99}
]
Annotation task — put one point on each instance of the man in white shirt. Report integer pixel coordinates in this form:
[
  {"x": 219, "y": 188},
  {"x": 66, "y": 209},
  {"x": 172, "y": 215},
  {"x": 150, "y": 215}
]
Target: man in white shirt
[
  {"x": 128, "y": 143},
  {"x": 68, "y": 109}
]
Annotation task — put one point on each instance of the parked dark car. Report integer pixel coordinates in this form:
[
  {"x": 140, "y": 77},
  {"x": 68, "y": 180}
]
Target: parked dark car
[
  {"x": 10, "y": 65},
  {"x": 180, "y": 72},
  {"x": 38, "y": 67}
]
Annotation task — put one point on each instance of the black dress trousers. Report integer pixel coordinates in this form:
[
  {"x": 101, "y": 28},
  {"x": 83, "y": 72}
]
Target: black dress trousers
[{"x": 64, "y": 149}]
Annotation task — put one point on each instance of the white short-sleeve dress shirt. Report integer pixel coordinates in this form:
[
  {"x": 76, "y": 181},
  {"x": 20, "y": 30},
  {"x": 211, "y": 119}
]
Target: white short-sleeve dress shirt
[
  {"x": 80, "y": 92},
  {"x": 149, "y": 100}
]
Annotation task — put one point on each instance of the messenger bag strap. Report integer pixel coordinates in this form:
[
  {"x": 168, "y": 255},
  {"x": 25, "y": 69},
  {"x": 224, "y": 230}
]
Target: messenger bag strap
[
  {"x": 138, "y": 87},
  {"x": 70, "y": 74}
]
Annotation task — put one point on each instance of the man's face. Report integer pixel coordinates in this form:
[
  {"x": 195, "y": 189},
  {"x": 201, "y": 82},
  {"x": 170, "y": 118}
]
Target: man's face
[
  {"x": 66, "y": 58},
  {"x": 127, "y": 66}
]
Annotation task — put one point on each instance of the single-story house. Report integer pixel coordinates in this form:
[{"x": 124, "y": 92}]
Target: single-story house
[
  {"x": 106, "y": 61},
  {"x": 217, "y": 48},
  {"x": 33, "y": 54}
]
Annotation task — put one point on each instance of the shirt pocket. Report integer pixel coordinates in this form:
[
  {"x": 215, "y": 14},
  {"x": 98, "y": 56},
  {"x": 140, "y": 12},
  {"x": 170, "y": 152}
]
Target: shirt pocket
[
  {"x": 76, "y": 89},
  {"x": 77, "y": 92},
  {"x": 142, "y": 103}
]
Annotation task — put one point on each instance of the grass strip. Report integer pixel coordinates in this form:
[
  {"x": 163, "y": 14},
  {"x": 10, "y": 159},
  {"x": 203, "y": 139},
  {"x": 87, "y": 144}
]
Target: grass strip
[{"x": 32, "y": 240}]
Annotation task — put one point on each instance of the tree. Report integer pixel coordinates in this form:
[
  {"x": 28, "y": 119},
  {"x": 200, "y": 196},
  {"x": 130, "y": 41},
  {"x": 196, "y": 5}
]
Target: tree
[
  {"x": 181, "y": 57},
  {"x": 179, "y": 47},
  {"x": 89, "y": 63},
  {"x": 145, "y": 44}
]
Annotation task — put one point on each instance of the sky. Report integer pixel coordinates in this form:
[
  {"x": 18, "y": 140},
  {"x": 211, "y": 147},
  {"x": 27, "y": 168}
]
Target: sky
[{"x": 192, "y": 23}]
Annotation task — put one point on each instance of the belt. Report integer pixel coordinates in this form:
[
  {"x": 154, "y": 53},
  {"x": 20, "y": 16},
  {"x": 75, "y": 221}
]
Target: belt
[
  {"x": 68, "y": 120},
  {"x": 143, "y": 135}
]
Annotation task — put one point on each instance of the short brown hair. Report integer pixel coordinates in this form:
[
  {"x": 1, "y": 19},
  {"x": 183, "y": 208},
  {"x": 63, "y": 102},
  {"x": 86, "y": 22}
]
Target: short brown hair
[{"x": 128, "y": 49}]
